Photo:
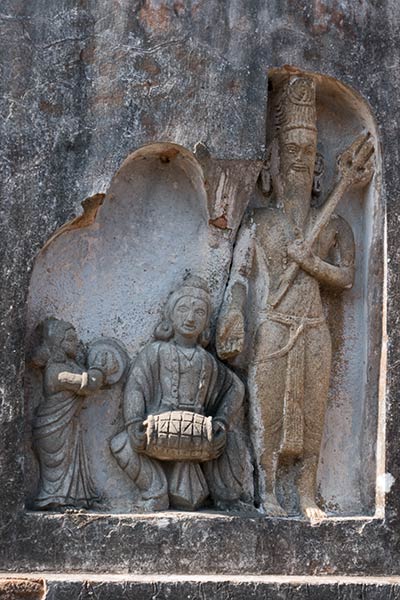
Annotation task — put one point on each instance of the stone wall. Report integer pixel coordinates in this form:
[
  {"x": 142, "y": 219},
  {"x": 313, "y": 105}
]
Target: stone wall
[{"x": 87, "y": 83}]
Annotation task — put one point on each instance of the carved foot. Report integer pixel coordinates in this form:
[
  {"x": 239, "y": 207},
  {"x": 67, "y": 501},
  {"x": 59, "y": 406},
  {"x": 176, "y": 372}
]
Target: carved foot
[
  {"x": 311, "y": 511},
  {"x": 272, "y": 508}
]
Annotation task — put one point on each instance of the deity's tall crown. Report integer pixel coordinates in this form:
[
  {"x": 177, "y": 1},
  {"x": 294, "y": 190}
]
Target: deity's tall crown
[{"x": 296, "y": 107}]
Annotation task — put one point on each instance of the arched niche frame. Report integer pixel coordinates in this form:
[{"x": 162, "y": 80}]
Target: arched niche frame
[
  {"x": 109, "y": 273},
  {"x": 351, "y": 463}
]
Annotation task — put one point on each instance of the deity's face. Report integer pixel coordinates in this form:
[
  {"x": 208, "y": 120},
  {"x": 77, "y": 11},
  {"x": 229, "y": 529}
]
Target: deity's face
[
  {"x": 70, "y": 343},
  {"x": 298, "y": 149},
  {"x": 189, "y": 317}
]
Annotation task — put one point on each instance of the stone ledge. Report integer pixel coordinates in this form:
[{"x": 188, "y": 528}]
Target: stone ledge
[
  {"x": 64, "y": 586},
  {"x": 185, "y": 543}
]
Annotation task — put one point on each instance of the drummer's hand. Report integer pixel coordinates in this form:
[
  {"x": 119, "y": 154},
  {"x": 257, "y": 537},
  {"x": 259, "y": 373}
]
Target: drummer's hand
[
  {"x": 219, "y": 436},
  {"x": 137, "y": 435}
]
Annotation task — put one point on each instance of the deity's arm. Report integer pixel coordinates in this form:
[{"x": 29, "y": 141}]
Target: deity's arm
[
  {"x": 84, "y": 381},
  {"x": 337, "y": 271},
  {"x": 230, "y": 326},
  {"x": 243, "y": 257}
]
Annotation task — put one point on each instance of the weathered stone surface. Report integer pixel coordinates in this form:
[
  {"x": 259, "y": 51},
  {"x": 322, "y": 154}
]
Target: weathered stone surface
[
  {"x": 22, "y": 589},
  {"x": 211, "y": 591},
  {"x": 85, "y": 587},
  {"x": 199, "y": 543},
  {"x": 84, "y": 84},
  {"x": 64, "y": 587}
]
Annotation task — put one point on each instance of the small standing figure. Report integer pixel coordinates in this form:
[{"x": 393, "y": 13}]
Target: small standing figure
[
  {"x": 181, "y": 409},
  {"x": 65, "y": 480}
]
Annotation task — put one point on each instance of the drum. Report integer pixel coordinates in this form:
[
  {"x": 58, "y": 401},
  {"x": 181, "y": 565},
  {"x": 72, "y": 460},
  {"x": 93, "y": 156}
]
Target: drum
[{"x": 179, "y": 435}]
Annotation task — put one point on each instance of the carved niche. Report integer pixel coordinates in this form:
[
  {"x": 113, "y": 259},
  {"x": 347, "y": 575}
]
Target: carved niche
[
  {"x": 237, "y": 354},
  {"x": 110, "y": 273}
]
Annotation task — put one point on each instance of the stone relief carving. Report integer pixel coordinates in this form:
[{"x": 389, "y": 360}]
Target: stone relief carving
[
  {"x": 177, "y": 434},
  {"x": 65, "y": 479},
  {"x": 287, "y": 250},
  {"x": 181, "y": 406}
]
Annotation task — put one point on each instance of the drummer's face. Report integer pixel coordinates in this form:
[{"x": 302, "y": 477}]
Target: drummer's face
[{"x": 189, "y": 317}]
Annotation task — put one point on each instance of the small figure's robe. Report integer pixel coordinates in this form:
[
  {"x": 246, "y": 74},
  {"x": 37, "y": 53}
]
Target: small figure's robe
[
  {"x": 154, "y": 386},
  {"x": 58, "y": 443}
]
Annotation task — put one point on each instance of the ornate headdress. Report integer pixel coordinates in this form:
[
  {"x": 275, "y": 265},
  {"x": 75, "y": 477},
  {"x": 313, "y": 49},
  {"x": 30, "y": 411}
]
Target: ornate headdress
[
  {"x": 296, "y": 105},
  {"x": 196, "y": 287}
]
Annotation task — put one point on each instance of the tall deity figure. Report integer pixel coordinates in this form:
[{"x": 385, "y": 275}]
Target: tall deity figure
[{"x": 284, "y": 252}]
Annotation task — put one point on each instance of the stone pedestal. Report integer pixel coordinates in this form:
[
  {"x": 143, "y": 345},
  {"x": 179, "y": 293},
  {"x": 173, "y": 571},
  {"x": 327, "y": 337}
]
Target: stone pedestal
[{"x": 87, "y": 586}]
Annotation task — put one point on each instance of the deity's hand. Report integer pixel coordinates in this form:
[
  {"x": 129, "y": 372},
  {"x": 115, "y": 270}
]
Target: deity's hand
[
  {"x": 356, "y": 164},
  {"x": 137, "y": 435},
  {"x": 300, "y": 251},
  {"x": 230, "y": 334},
  {"x": 219, "y": 436}
]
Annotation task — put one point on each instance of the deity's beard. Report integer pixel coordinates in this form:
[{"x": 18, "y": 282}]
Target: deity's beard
[
  {"x": 297, "y": 196},
  {"x": 297, "y": 184}
]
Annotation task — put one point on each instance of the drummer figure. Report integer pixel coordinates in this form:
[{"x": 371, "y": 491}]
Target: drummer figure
[{"x": 193, "y": 450}]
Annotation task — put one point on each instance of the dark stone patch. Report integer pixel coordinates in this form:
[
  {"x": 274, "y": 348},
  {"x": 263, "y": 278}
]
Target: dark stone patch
[{"x": 21, "y": 589}]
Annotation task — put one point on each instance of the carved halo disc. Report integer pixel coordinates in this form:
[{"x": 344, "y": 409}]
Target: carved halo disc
[{"x": 117, "y": 350}]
